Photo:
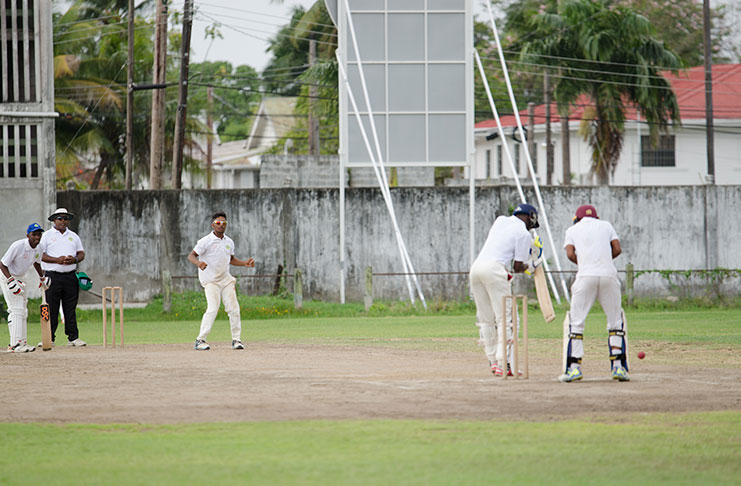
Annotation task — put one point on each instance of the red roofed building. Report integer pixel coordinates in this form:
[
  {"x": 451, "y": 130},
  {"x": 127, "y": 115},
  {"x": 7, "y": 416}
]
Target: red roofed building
[{"x": 679, "y": 159}]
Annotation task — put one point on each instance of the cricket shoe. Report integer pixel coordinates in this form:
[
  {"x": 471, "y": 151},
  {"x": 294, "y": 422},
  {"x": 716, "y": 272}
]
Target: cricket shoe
[
  {"x": 574, "y": 374},
  {"x": 76, "y": 343},
  {"x": 41, "y": 345},
  {"x": 21, "y": 348},
  {"x": 237, "y": 344},
  {"x": 201, "y": 345},
  {"x": 496, "y": 370},
  {"x": 509, "y": 371},
  {"x": 620, "y": 374}
]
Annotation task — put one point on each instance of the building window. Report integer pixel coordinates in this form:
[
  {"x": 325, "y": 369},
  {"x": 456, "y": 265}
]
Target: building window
[
  {"x": 534, "y": 156},
  {"x": 499, "y": 160},
  {"x": 488, "y": 164},
  {"x": 19, "y": 152},
  {"x": 660, "y": 155},
  {"x": 517, "y": 159}
]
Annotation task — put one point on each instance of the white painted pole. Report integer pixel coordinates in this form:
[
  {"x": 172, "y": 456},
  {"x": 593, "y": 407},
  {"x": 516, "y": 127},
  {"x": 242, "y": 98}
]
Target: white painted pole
[
  {"x": 384, "y": 189},
  {"x": 527, "y": 153},
  {"x": 406, "y": 261},
  {"x": 509, "y": 157}
]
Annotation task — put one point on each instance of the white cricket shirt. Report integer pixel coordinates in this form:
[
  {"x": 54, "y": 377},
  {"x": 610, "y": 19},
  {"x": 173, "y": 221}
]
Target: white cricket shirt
[
  {"x": 508, "y": 240},
  {"x": 57, "y": 244},
  {"x": 20, "y": 256},
  {"x": 217, "y": 253},
  {"x": 591, "y": 239}
]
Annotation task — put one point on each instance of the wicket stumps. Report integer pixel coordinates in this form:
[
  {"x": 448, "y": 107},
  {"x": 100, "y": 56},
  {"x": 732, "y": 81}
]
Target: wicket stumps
[
  {"x": 114, "y": 293},
  {"x": 512, "y": 301}
]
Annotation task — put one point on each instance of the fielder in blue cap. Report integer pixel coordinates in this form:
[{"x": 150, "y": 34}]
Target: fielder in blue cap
[{"x": 21, "y": 255}]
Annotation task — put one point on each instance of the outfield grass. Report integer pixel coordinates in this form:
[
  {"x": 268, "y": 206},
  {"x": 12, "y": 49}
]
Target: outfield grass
[
  {"x": 672, "y": 449},
  {"x": 676, "y": 449}
]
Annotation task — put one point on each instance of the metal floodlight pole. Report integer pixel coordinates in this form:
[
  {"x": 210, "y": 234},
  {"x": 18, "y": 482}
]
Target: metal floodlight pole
[
  {"x": 509, "y": 156},
  {"x": 527, "y": 153},
  {"x": 406, "y": 261}
]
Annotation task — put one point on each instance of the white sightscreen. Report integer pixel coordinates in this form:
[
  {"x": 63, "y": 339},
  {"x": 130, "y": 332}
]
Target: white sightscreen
[{"x": 417, "y": 59}]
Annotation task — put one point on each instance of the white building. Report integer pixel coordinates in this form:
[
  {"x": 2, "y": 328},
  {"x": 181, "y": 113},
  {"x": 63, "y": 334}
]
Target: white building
[
  {"x": 236, "y": 164},
  {"x": 679, "y": 159}
]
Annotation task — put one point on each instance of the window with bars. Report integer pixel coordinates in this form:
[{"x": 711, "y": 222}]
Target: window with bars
[
  {"x": 18, "y": 52},
  {"x": 19, "y": 152},
  {"x": 660, "y": 155}
]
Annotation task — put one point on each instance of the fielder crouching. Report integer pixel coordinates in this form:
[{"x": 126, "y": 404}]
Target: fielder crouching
[{"x": 509, "y": 240}]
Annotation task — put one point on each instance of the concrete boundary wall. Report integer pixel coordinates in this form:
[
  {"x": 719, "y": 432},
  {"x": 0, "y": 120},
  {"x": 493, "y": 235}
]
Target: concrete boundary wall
[{"x": 130, "y": 237}]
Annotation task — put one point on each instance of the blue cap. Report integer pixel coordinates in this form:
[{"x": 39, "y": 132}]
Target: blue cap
[
  {"x": 525, "y": 209},
  {"x": 34, "y": 227}
]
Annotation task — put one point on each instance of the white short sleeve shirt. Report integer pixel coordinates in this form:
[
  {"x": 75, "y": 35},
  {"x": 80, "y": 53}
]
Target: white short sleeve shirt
[
  {"x": 591, "y": 239},
  {"x": 508, "y": 240},
  {"x": 217, "y": 253},
  {"x": 20, "y": 256},
  {"x": 56, "y": 244}
]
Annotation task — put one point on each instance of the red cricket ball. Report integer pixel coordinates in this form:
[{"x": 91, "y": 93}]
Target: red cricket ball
[{"x": 641, "y": 355}]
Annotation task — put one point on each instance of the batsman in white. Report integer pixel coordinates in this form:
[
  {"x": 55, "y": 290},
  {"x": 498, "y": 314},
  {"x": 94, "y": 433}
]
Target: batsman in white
[
  {"x": 212, "y": 255},
  {"x": 21, "y": 255},
  {"x": 509, "y": 240},
  {"x": 593, "y": 244}
]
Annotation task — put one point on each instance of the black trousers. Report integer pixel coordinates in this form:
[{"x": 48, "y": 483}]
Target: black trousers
[{"x": 65, "y": 289}]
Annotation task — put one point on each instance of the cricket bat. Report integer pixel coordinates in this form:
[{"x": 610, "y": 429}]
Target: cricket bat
[
  {"x": 45, "y": 324},
  {"x": 566, "y": 329},
  {"x": 544, "y": 297}
]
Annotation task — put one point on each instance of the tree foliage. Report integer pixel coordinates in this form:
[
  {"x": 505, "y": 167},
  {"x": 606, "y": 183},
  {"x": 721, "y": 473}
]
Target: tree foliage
[{"x": 609, "y": 54}]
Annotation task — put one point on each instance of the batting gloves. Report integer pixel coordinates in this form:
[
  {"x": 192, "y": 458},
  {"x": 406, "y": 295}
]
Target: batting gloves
[
  {"x": 45, "y": 283},
  {"x": 16, "y": 287}
]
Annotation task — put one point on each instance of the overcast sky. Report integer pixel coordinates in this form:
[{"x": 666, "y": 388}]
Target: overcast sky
[{"x": 246, "y": 26}]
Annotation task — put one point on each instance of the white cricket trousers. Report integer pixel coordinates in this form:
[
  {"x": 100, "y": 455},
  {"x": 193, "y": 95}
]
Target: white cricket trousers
[
  {"x": 17, "y": 313},
  {"x": 584, "y": 291},
  {"x": 216, "y": 292},
  {"x": 489, "y": 283}
]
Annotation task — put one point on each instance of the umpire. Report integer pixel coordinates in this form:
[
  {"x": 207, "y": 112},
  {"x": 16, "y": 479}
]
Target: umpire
[{"x": 62, "y": 251}]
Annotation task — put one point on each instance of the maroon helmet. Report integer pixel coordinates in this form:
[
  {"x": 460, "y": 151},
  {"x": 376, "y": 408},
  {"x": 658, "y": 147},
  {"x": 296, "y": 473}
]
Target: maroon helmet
[{"x": 585, "y": 211}]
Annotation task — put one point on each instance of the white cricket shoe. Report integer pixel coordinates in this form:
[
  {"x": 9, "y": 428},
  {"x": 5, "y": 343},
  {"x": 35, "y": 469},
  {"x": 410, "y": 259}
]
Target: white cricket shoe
[
  {"x": 76, "y": 343},
  {"x": 237, "y": 344},
  {"x": 41, "y": 344},
  {"x": 21, "y": 348},
  {"x": 201, "y": 345}
]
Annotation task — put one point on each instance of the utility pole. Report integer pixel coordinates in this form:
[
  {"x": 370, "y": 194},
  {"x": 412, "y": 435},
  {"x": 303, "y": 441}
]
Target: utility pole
[
  {"x": 210, "y": 140},
  {"x": 708, "y": 93},
  {"x": 177, "y": 149},
  {"x": 158, "y": 97},
  {"x": 565, "y": 146},
  {"x": 312, "y": 121},
  {"x": 531, "y": 147},
  {"x": 548, "y": 142},
  {"x": 130, "y": 100}
]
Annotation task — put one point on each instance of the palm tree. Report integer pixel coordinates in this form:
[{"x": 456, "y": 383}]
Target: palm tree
[{"x": 609, "y": 54}]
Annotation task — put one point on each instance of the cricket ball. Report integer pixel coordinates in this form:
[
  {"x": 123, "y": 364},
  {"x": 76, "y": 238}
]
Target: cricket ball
[{"x": 641, "y": 355}]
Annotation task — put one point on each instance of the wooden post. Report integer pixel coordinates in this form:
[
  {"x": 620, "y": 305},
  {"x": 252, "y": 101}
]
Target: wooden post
[
  {"x": 177, "y": 148},
  {"x": 210, "y": 139},
  {"x": 166, "y": 291},
  {"x": 298, "y": 290},
  {"x": 548, "y": 135},
  {"x": 629, "y": 278},
  {"x": 130, "y": 100},
  {"x": 368, "y": 288},
  {"x": 157, "y": 139},
  {"x": 531, "y": 147}
]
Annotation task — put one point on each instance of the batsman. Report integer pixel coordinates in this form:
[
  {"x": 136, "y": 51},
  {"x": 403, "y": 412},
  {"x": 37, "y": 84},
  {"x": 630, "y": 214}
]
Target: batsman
[
  {"x": 21, "y": 255},
  {"x": 509, "y": 240},
  {"x": 593, "y": 244}
]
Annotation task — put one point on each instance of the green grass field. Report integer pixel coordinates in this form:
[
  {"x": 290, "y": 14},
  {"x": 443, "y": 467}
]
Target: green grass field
[{"x": 691, "y": 448}]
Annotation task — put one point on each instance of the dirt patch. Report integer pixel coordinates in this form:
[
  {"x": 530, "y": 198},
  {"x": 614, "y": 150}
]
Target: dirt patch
[{"x": 162, "y": 384}]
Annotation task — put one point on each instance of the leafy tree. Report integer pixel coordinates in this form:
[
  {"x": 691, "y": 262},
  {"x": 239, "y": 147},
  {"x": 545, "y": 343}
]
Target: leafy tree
[{"x": 610, "y": 54}]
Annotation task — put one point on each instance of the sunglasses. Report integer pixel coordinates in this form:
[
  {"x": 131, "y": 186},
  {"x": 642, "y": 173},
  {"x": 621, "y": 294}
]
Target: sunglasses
[
  {"x": 220, "y": 222},
  {"x": 63, "y": 218}
]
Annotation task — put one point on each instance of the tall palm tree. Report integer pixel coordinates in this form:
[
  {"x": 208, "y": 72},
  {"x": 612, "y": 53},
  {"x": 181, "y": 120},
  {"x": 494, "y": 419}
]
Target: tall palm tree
[{"x": 609, "y": 54}]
